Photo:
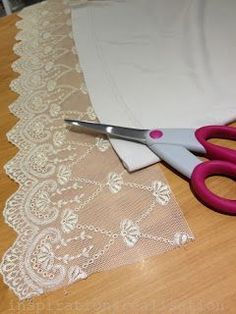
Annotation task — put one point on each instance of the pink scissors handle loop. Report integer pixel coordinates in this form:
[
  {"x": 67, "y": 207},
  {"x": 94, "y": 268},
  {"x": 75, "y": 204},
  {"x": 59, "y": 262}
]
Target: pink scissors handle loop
[
  {"x": 215, "y": 151},
  {"x": 199, "y": 175}
]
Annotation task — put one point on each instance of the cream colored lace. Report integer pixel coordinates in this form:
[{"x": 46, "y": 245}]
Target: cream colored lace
[{"x": 77, "y": 210}]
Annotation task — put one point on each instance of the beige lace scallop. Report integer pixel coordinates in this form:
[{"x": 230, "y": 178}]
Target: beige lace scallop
[{"x": 77, "y": 211}]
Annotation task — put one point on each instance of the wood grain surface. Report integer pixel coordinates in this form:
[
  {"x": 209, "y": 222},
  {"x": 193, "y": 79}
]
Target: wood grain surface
[{"x": 199, "y": 278}]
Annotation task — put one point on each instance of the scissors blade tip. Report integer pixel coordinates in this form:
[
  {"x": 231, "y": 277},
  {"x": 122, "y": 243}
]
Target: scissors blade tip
[
  {"x": 131, "y": 134},
  {"x": 69, "y": 121}
]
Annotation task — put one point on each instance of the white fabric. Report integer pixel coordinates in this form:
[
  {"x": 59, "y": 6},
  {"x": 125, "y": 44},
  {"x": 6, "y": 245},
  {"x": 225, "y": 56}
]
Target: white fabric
[{"x": 158, "y": 63}]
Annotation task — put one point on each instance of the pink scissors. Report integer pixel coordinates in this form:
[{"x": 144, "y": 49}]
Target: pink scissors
[{"x": 174, "y": 146}]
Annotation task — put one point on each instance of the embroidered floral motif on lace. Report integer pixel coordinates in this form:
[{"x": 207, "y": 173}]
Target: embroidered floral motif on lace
[{"x": 77, "y": 211}]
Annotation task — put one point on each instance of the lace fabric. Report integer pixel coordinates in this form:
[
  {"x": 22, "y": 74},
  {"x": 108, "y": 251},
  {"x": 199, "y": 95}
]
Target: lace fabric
[{"x": 77, "y": 211}]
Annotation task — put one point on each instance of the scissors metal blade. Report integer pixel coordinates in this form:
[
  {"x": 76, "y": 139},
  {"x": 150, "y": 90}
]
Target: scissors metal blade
[{"x": 130, "y": 134}]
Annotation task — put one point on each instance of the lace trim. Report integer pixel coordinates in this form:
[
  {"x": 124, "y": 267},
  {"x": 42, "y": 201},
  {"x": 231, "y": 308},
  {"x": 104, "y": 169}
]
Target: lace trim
[{"x": 77, "y": 211}]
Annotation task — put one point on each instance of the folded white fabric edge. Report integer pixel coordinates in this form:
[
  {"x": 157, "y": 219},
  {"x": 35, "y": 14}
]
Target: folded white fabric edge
[{"x": 129, "y": 86}]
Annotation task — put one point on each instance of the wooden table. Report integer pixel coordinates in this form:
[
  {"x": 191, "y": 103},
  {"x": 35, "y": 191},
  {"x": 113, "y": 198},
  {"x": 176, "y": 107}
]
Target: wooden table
[{"x": 199, "y": 278}]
